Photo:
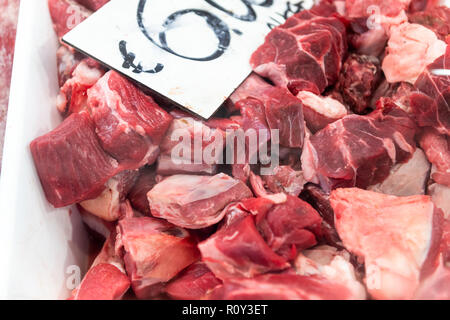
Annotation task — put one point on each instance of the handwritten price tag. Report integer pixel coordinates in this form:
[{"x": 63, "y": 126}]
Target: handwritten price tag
[{"x": 193, "y": 52}]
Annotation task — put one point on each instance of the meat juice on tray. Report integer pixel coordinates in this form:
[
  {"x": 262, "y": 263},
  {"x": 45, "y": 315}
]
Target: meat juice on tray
[{"x": 355, "y": 207}]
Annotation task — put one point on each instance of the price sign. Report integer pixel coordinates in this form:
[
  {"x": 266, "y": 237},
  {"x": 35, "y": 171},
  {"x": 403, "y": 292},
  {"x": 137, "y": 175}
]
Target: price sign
[{"x": 193, "y": 52}]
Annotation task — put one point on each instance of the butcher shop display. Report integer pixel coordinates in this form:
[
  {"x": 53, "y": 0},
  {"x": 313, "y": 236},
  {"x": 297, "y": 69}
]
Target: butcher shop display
[{"x": 324, "y": 176}]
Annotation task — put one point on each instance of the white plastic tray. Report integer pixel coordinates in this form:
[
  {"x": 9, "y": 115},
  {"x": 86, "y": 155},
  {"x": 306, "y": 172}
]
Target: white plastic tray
[{"x": 41, "y": 246}]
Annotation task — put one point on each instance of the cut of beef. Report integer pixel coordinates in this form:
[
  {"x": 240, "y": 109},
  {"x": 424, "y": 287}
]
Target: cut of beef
[
  {"x": 106, "y": 278},
  {"x": 70, "y": 162},
  {"x": 435, "y": 18},
  {"x": 107, "y": 205},
  {"x": 102, "y": 282},
  {"x": 396, "y": 236},
  {"x": 284, "y": 286},
  {"x": 238, "y": 250},
  {"x": 284, "y": 113},
  {"x": 333, "y": 265},
  {"x": 195, "y": 202},
  {"x": 431, "y": 106},
  {"x": 279, "y": 110},
  {"x": 320, "y": 111},
  {"x": 138, "y": 194},
  {"x": 289, "y": 227},
  {"x": 406, "y": 179},
  {"x": 437, "y": 149},
  {"x": 359, "y": 150},
  {"x": 252, "y": 87},
  {"x": 194, "y": 283},
  {"x": 359, "y": 78},
  {"x": 305, "y": 53},
  {"x": 411, "y": 48},
  {"x": 66, "y": 14},
  {"x": 73, "y": 94},
  {"x": 200, "y": 150},
  {"x": 93, "y": 5},
  {"x": 130, "y": 124},
  {"x": 155, "y": 252}
]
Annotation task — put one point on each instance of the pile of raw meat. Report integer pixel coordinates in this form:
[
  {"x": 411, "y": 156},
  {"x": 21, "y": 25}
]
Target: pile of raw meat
[{"x": 358, "y": 207}]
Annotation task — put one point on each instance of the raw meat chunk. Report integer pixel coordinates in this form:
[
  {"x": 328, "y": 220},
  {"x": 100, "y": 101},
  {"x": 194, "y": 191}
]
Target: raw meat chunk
[
  {"x": 102, "y": 282},
  {"x": 277, "y": 109},
  {"x": 406, "y": 179},
  {"x": 304, "y": 54},
  {"x": 130, "y": 125},
  {"x": 437, "y": 149},
  {"x": 285, "y": 179},
  {"x": 333, "y": 265},
  {"x": 253, "y": 87},
  {"x": 359, "y": 78},
  {"x": 431, "y": 106},
  {"x": 195, "y": 202},
  {"x": 70, "y": 162},
  {"x": 435, "y": 18},
  {"x": 73, "y": 94},
  {"x": 238, "y": 250},
  {"x": 289, "y": 227},
  {"x": 107, "y": 205},
  {"x": 285, "y": 286},
  {"x": 66, "y": 15},
  {"x": 93, "y": 5},
  {"x": 193, "y": 283},
  {"x": 411, "y": 48},
  {"x": 441, "y": 198},
  {"x": 200, "y": 150},
  {"x": 320, "y": 111},
  {"x": 155, "y": 252},
  {"x": 138, "y": 194},
  {"x": 396, "y": 237},
  {"x": 359, "y": 150}
]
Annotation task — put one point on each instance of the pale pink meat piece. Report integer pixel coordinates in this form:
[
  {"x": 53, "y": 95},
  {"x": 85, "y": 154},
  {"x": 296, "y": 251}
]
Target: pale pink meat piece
[
  {"x": 154, "y": 252},
  {"x": 195, "y": 202},
  {"x": 411, "y": 48},
  {"x": 284, "y": 286},
  {"x": 396, "y": 236}
]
